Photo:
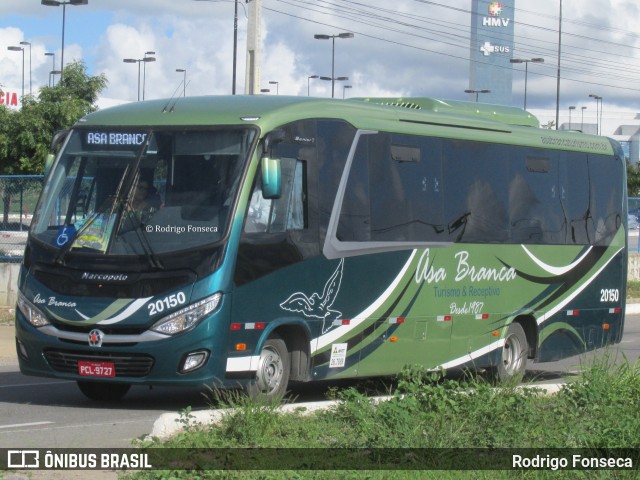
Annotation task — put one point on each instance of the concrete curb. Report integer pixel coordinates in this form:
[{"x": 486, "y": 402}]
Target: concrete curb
[
  {"x": 632, "y": 309},
  {"x": 169, "y": 424}
]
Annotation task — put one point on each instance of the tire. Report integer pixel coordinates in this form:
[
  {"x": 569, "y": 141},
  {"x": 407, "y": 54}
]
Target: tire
[
  {"x": 513, "y": 361},
  {"x": 106, "y": 392},
  {"x": 272, "y": 376}
]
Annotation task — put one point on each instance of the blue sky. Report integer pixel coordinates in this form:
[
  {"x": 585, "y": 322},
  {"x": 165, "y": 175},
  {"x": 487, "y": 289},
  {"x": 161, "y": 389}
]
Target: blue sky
[
  {"x": 47, "y": 29},
  {"x": 395, "y": 52}
]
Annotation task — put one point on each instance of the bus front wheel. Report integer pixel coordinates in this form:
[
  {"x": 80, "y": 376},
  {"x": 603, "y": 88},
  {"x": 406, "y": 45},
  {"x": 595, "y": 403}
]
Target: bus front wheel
[
  {"x": 106, "y": 392},
  {"x": 272, "y": 376},
  {"x": 513, "y": 361}
]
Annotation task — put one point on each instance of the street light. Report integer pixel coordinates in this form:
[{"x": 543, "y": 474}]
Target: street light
[
  {"x": 333, "y": 79},
  {"x": 277, "y": 86},
  {"x": 144, "y": 72},
  {"x": 571, "y": 108},
  {"x": 56, "y": 3},
  {"x": 598, "y": 100},
  {"x": 308, "y": 83},
  {"x": 139, "y": 61},
  {"x": 319, "y": 36},
  {"x": 235, "y": 43},
  {"x": 30, "y": 84},
  {"x": 53, "y": 63},
  {"x": 184, "y": 80},
  {"x": 582, "y": 119},
  {"x": 20, "y": 49},
  {"x": 477, "y": 92},
  {"x": 51, "y": 76},
  {"x": 264, "y": 90},
  {"x": 526, "y": 72},
  {"x": 344, "y": 88}
]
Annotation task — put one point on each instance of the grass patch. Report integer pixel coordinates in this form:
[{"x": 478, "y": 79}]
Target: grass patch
[
  {"x": 598, "y": 410},
  {"x": 633, "y": 289}
]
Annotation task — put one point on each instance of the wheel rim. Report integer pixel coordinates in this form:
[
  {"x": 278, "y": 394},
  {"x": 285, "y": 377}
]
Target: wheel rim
[
  {"x": 270, "y": 370},
  {"x": 512, "y": 356}
]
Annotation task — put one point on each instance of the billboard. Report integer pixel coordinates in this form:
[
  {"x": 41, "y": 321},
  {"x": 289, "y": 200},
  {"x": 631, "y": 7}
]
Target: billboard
[{"x": 491, "y": 50}]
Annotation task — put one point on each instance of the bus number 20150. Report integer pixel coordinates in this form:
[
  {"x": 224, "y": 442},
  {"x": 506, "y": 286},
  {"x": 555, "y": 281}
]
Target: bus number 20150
[
  {"x": 165, "y": 303},
  {"x": 609, "y": 295}
]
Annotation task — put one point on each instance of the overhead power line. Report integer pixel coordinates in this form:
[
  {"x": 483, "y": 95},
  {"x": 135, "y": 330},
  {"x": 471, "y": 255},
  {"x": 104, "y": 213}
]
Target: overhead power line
[{"x": 390, "y": 26}]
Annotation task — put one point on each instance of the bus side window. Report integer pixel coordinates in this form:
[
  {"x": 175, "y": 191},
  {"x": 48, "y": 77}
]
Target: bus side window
[
  {"x": 605, "y": 197},
  {"x": 282, "y": 214}
]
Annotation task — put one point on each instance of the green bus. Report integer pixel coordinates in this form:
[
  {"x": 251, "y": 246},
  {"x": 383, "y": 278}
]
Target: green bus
[{"x": 256, "y": 241}]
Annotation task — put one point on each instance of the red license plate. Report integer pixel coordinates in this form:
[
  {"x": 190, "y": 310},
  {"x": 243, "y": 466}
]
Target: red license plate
[{"x": 96, "y": 369}]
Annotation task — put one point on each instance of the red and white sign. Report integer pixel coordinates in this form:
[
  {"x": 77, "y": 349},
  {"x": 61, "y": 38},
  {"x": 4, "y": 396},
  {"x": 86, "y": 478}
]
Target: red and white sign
[{"x": 9, "y": 98}]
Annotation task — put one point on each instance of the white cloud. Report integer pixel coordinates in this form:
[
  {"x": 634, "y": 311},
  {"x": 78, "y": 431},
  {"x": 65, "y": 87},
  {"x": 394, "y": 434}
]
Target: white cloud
[{"x": 405, "y": 48}]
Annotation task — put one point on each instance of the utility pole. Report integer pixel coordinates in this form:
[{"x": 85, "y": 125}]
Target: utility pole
[{"x": 252, "y": 79}]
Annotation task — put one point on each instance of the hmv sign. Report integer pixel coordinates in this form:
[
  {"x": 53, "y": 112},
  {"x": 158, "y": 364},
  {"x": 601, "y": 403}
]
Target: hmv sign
[
  {"x": 496, "y": 16},
  {"x": 491, "y": 48}
]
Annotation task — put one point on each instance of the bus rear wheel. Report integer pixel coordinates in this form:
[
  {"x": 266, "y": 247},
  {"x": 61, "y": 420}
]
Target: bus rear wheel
[
  {"x": 106, "y": 392},
  {"x": 272, "y": 376},
  {"x": 513, "y": 361}
]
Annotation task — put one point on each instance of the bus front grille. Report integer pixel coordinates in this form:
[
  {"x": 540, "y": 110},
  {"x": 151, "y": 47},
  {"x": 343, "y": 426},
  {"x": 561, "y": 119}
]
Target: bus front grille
[{"x": 129, "y": 365}]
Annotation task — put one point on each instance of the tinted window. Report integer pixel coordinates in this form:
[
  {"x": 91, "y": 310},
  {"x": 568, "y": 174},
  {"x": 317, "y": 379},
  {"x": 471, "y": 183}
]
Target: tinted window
[
  {"x": 285, "y": 213},
  {"x": 535, "y": 211},
  {"x": 476, "y": 200},
  {"x": 575, "y": 192},
  {"x": 404, "y": 188},
  {"x": 354, "y": 224},
  {"x": 333, "y": 145},
  {"x": 394, "y": 191},
  {"x": 606, "y": 197}
]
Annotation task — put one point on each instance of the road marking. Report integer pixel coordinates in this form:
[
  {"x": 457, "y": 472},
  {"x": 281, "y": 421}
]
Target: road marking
[
  {"x": 32, "y": 424},
  {"x": 34, "y": 384}
]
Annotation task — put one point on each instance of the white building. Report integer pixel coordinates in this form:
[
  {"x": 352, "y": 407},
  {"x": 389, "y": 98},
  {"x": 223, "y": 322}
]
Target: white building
[{"x": 619, "y": 124}]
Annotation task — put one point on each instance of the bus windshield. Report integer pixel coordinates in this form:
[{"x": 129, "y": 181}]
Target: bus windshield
[{"x": 117, "y": 192}]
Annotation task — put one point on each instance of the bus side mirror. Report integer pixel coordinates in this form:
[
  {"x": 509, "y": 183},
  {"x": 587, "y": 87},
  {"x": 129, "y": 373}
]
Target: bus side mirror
[
  {"x": 56, "y": 142},
  {"x": 270, "y": 167},
  {"x": 271, "y": 177},
  {"x": 48, "y": 163}
]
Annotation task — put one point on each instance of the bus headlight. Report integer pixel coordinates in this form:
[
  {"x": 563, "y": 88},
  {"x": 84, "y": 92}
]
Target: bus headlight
[
  {"x": 33, "y": 315},
  {"x": 188, "y": 317}
]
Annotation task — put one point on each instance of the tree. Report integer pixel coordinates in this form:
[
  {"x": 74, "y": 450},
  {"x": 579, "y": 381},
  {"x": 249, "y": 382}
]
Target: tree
[
  {"x": 633, "y": 179},
  {"x": 31, "y": 129},
  {"x": 25, "y": 134}
]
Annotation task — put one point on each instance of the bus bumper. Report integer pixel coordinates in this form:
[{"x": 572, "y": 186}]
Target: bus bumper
[{"x": 160, "y": 362}]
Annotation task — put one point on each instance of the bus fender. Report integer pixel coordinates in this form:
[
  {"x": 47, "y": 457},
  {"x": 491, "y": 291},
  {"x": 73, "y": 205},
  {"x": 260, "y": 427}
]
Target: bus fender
[{"x": 296, "y": 335}]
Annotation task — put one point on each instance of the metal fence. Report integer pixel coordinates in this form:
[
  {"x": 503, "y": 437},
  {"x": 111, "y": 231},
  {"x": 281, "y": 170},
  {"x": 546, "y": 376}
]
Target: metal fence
[{"x": 19, "y": 194}]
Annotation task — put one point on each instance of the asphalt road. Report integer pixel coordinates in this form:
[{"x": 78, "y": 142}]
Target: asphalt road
[{"x": 47, "y": 413}]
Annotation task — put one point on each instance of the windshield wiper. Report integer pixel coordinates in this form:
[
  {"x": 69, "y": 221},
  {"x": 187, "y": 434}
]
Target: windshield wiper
[
  {"x": 152, "y": 259},
  {"x": 130, "y": 180}
]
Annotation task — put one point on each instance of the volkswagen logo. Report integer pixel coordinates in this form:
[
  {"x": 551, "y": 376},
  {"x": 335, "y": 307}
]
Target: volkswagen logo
[{"x": 95, "y": 338}]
